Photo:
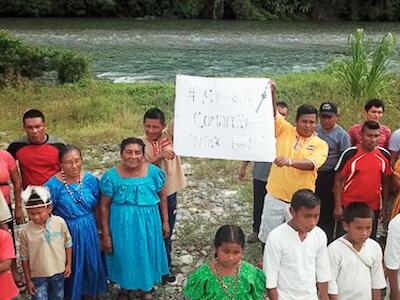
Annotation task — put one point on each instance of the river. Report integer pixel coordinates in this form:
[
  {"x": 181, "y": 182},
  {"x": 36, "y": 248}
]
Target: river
[{"x": 125, "y": 50}]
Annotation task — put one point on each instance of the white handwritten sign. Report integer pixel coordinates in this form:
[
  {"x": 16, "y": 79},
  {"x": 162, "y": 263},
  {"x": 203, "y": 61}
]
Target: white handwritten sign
[{"x": 225, "y": 118}]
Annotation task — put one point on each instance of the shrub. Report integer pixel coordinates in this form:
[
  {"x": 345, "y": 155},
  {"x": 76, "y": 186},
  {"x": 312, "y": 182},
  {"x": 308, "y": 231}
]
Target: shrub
[
  {"x": 246, "y": 10},
  {"x": 364, "y": 75},
  {"x": 72, "y": 66},
  {"x": 189, "y": 8},
  {"x": 33, "y": 8},
  {"x": 19, "y": 60},
  {"x": 288, "y": 8}
]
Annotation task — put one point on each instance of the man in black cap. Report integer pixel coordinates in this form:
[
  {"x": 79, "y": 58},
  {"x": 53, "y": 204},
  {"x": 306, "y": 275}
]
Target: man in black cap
[{"x": 338, "y": 140}]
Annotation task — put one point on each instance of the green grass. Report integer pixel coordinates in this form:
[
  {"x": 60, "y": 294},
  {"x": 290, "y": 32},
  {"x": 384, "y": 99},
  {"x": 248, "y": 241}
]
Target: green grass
[
  {"x": 98, "y": 112},
  {"x": 87, "y": 113}
]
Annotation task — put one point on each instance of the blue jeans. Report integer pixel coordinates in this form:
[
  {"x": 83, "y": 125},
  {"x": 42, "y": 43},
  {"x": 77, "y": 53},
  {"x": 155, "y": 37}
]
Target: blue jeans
[
  {"x": 49, "y": 288},
  {"x": 171, "y": 220}
]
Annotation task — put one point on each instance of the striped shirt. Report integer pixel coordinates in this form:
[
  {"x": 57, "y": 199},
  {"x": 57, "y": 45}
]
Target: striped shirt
[
  {"x": 363, "y": 172},
  {"x": 355, "y": 135}
]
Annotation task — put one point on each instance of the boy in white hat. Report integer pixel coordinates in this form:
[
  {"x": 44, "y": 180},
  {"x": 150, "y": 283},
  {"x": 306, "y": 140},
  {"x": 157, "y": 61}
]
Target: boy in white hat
[{"x": 45, "y": 247}]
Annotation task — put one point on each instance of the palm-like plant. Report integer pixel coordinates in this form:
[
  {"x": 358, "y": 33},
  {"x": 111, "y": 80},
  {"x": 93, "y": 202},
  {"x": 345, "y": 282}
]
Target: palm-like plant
[{"x": 364, "y": 75}]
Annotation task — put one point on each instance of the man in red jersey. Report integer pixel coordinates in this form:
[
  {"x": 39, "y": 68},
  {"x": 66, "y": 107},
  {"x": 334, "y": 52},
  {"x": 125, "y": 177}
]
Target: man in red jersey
[
  {"x": 37, "y": 153},
  {"x": 363, "y": 175}
]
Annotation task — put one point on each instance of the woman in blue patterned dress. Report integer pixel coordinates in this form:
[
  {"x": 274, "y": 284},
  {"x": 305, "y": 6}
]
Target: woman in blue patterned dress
[
  {"x": 133, "y": 231},
  {"x": 75, "y": 195}
]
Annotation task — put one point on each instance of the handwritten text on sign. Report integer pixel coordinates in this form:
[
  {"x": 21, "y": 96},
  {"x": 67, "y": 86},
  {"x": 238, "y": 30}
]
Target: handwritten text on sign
[{"x": 227, "y": 118}]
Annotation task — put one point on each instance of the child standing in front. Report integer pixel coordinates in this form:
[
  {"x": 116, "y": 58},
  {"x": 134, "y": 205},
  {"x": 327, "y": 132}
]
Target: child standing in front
[
  {"x": 45, "y": 247},
  {"x": 8, "y": 289},
  {"x": 296, "y": 258},
  {"x": 226, "y": 276},
  {"x": 356, "y": 256}
]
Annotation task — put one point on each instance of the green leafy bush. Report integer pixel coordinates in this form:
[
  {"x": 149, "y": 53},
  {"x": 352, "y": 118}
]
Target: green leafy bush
[
  {"x": 72, "y": 66},
  {"x": 288, "y": 8},
  {"x": 19, "y": 61},
  {"x": 189, "y": 8},
  {"x": 246, "y": 10},
  {"x": 364, "y": 75}
]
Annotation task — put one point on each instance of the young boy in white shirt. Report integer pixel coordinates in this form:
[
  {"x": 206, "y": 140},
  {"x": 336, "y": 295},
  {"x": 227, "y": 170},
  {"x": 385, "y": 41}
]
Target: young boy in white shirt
[
  {"x": 356, "y": 259},
  {"x": 392, "y": 259},
  {"x": 296, "y": 258}
]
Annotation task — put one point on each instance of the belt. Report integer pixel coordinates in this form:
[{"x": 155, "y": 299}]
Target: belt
[{"x": 288, "y": 202}]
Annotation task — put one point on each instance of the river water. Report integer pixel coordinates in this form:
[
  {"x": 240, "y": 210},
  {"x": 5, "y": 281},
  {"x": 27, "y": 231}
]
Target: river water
[{"x": 124, "y": 50}]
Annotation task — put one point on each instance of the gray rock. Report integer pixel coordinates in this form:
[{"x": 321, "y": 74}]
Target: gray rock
[
  {"x": 219, "y": 211},
  {"x": 105, "y": 159},
  {"x": 230, "y": 193},
  {"x": 186, "y": 259},
  {"x": 187, "y": 168}
]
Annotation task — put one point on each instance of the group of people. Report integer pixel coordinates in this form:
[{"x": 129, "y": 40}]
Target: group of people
[
  {"x": 83, "y": 231},
  {"x": 351, "y": 173},
  {"x": 129, "y": 214}
]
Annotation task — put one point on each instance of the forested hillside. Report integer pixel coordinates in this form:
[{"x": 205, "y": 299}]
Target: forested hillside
[{"x": 356, "y": 10}]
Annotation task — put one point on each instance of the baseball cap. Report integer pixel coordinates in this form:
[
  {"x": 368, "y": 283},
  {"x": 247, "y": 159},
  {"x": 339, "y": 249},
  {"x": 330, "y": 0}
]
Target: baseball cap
[{"x": 328, "y": 108}]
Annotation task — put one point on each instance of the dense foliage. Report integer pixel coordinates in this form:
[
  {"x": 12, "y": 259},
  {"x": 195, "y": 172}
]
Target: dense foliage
[
  {"x": 19, "y": 60},
  {"x": 210, "y": 9},
  {"x": 365, "y": 74}
]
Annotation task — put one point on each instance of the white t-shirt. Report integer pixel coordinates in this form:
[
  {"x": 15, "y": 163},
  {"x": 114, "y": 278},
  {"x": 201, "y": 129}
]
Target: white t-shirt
[
  {"x": 354, "y": 273},
  {"x": 394, "y": 142},
  {"x": 294, "y": 266},
  {"x": 392, "y": 250}
]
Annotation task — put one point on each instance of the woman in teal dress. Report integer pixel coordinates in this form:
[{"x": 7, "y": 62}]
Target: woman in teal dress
[
  {"x": 75, "y": 196},
  {"x": 226, "y": 277},
  {"x": 132, "y": 228}
]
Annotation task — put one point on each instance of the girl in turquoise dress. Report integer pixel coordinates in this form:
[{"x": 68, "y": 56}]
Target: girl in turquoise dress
[
  {"x": 132, "y": 227},
  {"x": 227, "y": 276}
]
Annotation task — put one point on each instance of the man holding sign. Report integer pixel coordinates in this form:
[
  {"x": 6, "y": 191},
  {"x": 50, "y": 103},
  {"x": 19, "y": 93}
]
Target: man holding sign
[
  {"x": 260, "y": 176},
  {"x": 299, "y": 155}
]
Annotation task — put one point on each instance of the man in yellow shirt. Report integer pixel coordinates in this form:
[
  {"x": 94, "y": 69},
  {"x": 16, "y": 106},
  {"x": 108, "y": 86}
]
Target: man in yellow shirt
[{"x": 299, "y": 155}]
